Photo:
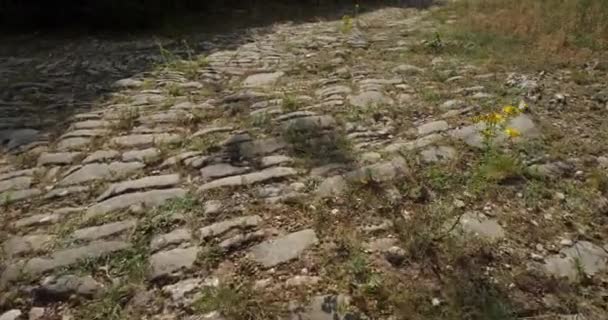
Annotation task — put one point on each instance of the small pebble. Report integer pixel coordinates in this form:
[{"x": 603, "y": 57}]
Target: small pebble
[{"x": 566, "y": 242}]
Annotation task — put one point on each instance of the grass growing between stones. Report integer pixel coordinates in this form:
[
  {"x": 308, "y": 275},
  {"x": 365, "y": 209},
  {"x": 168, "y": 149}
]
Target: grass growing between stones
[{"x": 234, "y": 301}]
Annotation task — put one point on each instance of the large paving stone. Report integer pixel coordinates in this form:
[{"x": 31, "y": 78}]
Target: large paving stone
[
  {"x": 17, "y": 183},
  {"x": 273, "y": 252},
  {"x": 44, "y": 219},
  {"x": 101, "y": 155},
  {"x": 73, "y": 143},
  {"x": 583, "y": 257},
  {"x": 142, "y": 140},
  {"x": 100, "y": 171},
  {"x": 18, "y": 245},
  {"x": 63, "y": 258},
  {"x": 12, "y": 196},
  {"x": 54, "y": 288},
  {"x": 64, "y": 192},
  {"x": 19, "y": 173},
  {"x": 85, "y": 133},
  {"x": 414, "y": 144},
  {"x": 220, "y": 228},
  {"x": 369, "y": 99},
  {"x": 60, "y": 158},
  {"x": 332, "y": 186},
  {"x": 310, "y": 123},
  {"x": 147, "y": 199},
  {"x": 106, "y": 230},
  {"x": 176, "y": 236},
  {"x": 262, "y": 79},
  {"x": 379, "y": 172},
  {"x": 167, "y": 263},
  {"x": 432, "y": 127},
  {"x": 163, "y": 181},
  {"x": 221, "y": 170},
  {"x": 91, "y": 124},
  {"x": 250, "y": 178},
  {"x": 146, "y": 155},
  {"x": 480, "y": 225}
]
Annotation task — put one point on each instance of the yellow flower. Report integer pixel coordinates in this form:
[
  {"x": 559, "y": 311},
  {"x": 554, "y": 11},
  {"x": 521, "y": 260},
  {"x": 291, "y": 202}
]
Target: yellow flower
[
  {"x": 497, "y": 118},
  {"x": 510, "y": 110},
  {"x": 512, "y": 132}
]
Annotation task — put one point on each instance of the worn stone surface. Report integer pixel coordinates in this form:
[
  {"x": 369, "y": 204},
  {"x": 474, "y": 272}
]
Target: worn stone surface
[
  {"x": 167, "y": 263},
  {"x": 163, "y": 181},
  {"x": 379, "y": 172},
  {"x": 63, "y": 192},
  {"x": 332, "y": 186},
  {"x": 73, "y": 143},
  {"x": 100, "y": 171},
  {"x": 101, "y": 155},
  {"x": 276, "y": 251},
  {"x": 16, "y": 183},
  {"x": 61, "y": 287},
  {"x": 480, "y": 225},
  {"x": 61, "y": 158},
  {"x": 16, "y": 245},
  {"x": 220, "y": 228},
  {"x": 146, "y": 155},
  {"x": 62, "y": 258},
  {"x": 262, "y": 79},
  {"x": 142, "y": 140},
  {"x": 583, "y": 256},
  {"x": 369, "y": 99},
  {"x": 310, "y": 123},
  {"x": 147, "y": 199},
  {"x": 44, "y": 219},
  {"x": 271, "y": 161},
  {"x": 12, "y": 196},
  {"x": 432, "y": 127},
  {"x": 250, "y": 178},
  {"x": 438, "y": 154},
  {"x": 102, "y": 231},
  {"x": 221, "y": 170},
  {"x": 11, "y": 315},
  {"x": 174, "y": 237}
]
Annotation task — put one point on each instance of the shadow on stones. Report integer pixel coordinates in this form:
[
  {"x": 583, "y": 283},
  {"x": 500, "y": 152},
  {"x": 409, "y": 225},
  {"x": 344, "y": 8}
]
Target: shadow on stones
[{"x": 60, "y": 58}]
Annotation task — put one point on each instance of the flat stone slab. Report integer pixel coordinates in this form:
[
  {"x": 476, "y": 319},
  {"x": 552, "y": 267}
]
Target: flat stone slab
[
  {"x": 140, "y": 140},
  {"x": 147, "y": 199},
  {"x": 210, "y": 130},
  {"x": 85, "y": 133},
  {"x": 379, "y": 172},
  {"x": 271, "y": 161},
  {"x": 250, "y": 178},
  {"x": 62, "y": 287},
  {"x": 64, "y": 192},
  {"x": 583, "y": 256},
  {"x": 176, "y": 236},
  {"x": 369, "y": 99},
  {"x": 13, "y": 174},
  {"x": 167, "y": 263},
  {"x": 273, "y": 252},
  {"x": 12, "y": 196},
  {"x": 482, "y": 226},
  {"x": 146, "y": 155},
  {"x": 414, "y": 144},
  {"x": 60, "y": 158},
  {"x": 310, "y": 123},
  {"x": 106, "y": 230},
  {"x": 432, "y": 127},
  {"x": 91, "y": 124},
  {"x": 220, "y": 228},
  {"x": 101, "y": 155},
  {"x": 44, "y": 219},
  {"x": 16, "y": 245},
  {"x": 262, "y": 79},
  {"x": 63, "y": 258},
  {"x": 100, "y": 171},
  {"x": 438, "y": 154},
  {"x": 16, "y": 183},
  {"x": 73, "y": 143},
  {"x": 163, "y": 181},
  {"x": 221, "y": 170}
]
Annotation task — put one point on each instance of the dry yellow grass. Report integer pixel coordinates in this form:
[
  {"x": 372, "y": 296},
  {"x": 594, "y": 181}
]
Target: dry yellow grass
[{"x": 569, "y": 28}]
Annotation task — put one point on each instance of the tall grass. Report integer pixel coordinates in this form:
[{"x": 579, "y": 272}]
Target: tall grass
[{"x": 569, "y": 28}]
